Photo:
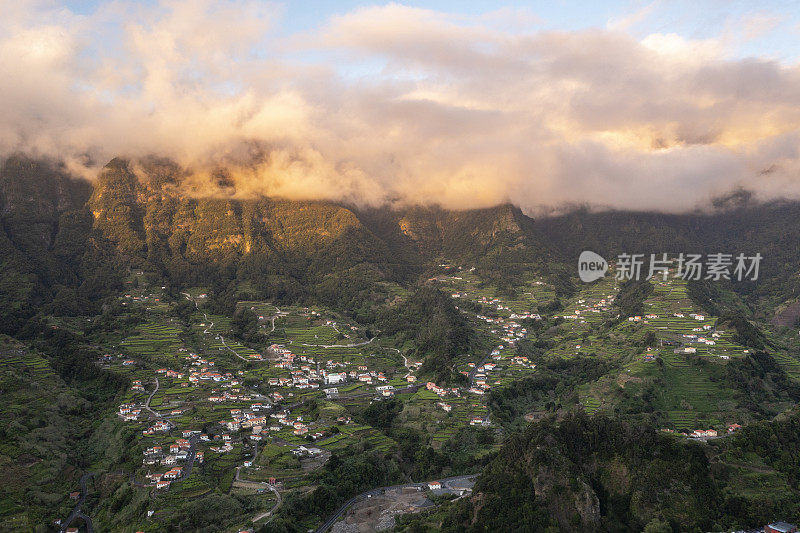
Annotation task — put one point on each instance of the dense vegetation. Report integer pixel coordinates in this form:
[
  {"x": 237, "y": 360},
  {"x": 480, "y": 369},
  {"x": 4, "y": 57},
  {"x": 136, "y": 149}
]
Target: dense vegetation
[
  {"x": 600, "y": 474},
  {"x": 429, "y": 319}
]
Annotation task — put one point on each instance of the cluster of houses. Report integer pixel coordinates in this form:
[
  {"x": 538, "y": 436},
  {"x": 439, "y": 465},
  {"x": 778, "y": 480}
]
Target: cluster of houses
[
  {"x": 706, "y": 433},
  {"x": 305, "y": 373},
  {"x": 696, "y": 316},
  {"x": 177, "y": 451},
  {"x": 584, "y": 307},
  {"x": 703, "y": 433},
  {"x": 480, "y": 385},
  {"x": 140, "y": 299},
  {"x": 303, "y": 451},
  {"x": 233, "y": 395},
  {"x": 247, "y": 418},
  {"x": 691, "y": 337},
  {"x": 441, "y": 391},
  {"x": 169, "y": 455},
  {"x": 129, "y": 412},
  {"x": 261, "y": 425},
  {"x": 511, "y": 331},
  {"x": 522, "y": 361},
  {"x": 163, "y": 480},
  {"x": 160, "y": 426}
]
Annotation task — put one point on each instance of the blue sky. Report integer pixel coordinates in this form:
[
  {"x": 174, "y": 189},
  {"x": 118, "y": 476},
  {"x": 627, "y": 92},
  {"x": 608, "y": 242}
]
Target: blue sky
[{"x": 768, "y": 28}]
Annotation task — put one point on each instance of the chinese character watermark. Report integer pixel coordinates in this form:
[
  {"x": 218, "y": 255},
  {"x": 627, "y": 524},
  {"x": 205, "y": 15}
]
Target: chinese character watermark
[{"x": 690, "y": 266}]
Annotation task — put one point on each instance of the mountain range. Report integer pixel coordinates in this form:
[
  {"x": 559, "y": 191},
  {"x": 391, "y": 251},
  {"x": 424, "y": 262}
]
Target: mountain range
[{"x": 68, "y": 237}]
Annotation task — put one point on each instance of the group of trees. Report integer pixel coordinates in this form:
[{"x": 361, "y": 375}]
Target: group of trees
[
  {"x": 431, "y": 322},
  {"x": 603, "y": 474}
]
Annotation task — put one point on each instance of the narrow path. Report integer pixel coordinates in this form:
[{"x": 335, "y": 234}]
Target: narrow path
[
  {"x": 338, "y": 345},
  {"x": 234, "y": 352},
  {"x": 405, "y": 363},
  {"x": 220, "y": 337},
  {"x": 271, "y": 512}
]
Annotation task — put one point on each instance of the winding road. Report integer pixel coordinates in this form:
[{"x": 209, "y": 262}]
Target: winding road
[
  {"x": 76, "y": 511},
  {"x": 262, "y": 485},
  {"x": 271, "y": 512},
  {"x": 147, "y": 403},
  {"x": 220, "y": 337}
]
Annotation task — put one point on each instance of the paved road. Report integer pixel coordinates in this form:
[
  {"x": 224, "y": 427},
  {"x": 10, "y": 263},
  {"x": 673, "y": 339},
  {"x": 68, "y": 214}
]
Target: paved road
[
  {"x": 475, "y": 370},
  {"x": 76, "y": 511},
  {"x": 187, "y": 470},
  {"x": 380, "y": 490},
  {"x": 147, "y": 403},
  {"x": 271, "y": 512}
]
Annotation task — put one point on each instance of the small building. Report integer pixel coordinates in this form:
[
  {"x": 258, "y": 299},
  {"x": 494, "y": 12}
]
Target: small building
[{"x": 434, "y": 485}]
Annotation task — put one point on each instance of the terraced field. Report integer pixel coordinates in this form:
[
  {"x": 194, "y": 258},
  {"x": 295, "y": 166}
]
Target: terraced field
[
  {"x": 530, "y": 296},
  {"x": 590, "y": 404},
  {"x": 789, "y": 364},
  {"x": 156, "y": 341},
  {"x": 683, "y": 420}
]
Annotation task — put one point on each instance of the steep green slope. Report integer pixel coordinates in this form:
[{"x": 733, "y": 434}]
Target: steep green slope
[
  {"x": 46, "y": 427},
  {"x": 600, "y": 474},
  {"x": 47, "y": 248},
  {"x": 429, "y": 321}
]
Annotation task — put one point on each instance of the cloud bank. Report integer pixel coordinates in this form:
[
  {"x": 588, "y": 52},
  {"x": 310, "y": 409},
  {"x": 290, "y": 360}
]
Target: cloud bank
[{"x": 399, "y": 104}]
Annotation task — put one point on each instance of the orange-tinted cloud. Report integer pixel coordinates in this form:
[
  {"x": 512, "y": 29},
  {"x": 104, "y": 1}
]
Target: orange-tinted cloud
[{"x": 399, "y": 104}]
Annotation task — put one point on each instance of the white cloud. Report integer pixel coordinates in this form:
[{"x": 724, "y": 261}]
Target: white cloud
[{"x": 460, "y": 112}]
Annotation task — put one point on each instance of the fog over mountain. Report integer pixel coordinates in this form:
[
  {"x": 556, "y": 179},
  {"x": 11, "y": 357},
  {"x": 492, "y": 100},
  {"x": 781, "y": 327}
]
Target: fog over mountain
[{"x": 421, "y": 107}]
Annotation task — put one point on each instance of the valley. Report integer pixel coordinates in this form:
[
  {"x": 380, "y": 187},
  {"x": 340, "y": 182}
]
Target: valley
[{"x": 263, "y": 365}]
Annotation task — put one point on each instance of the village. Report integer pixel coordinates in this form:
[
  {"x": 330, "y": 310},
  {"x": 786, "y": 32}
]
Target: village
[{"x": 203, "y": 400}]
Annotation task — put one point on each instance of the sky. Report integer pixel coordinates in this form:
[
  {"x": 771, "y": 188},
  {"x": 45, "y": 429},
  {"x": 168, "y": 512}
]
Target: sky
[{"x": 658, "y": 105}]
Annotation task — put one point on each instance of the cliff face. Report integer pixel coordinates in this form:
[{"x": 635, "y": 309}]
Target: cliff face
[
  {"x": 43, "y": 229},
  {"x": 34, "y": 194},
  {"x": 149, "y": 216},
  {"x": 58, "y": 233},
  {"x": 467, "y": 235}
]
